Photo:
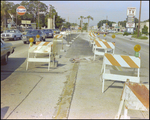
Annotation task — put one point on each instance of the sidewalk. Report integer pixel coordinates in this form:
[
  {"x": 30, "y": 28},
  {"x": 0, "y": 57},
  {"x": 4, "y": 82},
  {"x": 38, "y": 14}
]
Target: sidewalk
[{"x": 89, "y": 101}]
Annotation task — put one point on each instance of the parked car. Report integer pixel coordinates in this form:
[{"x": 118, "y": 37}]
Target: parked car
[
  {"x": 11, "y": 34},
  {"x": 6, "y": 50},
  {"x": 25, "y": 32},
  {"x": 32, "y": 34},
  {"x": 48, "y": 32}
]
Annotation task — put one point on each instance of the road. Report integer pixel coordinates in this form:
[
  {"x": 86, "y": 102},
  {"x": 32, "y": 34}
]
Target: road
[{"x": 35, "y": 93}]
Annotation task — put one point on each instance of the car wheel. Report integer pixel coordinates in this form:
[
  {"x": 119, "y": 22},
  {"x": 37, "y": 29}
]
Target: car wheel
[
  {"x": 43, "y": 39},
  {"x": 21, "y": 37},
  {"x": 15, "y": 38},
  {"x": 5, "y": 60},
  {"x": 24, "y": 42}
]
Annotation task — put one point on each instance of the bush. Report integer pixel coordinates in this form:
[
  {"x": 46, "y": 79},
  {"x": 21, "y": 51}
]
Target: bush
[
  {"x": 142, "y": 37},
  {"x": 126, "y": 33},
  {"x": 145, "y": 30}
]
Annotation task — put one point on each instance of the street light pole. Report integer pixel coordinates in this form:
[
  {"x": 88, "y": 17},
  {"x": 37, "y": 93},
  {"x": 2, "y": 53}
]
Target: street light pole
[
  {"x": 38, "y": 15},
  {"x": 139, "y": 19}
]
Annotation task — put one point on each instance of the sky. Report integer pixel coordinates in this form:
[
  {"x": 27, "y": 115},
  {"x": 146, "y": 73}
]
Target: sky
[{"x": 100, "y": 10}]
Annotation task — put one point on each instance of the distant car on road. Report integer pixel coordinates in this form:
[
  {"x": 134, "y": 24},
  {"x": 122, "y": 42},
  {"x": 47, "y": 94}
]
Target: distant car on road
[
  {"x": 25, "y": 32},
  {"x": 56, "y": 31},
  {"x": 11, "y": 34},
  {"x": 48, "y": 32},
  {"x": 32, "y": 34},
  {"x": 6, "y": 50}
]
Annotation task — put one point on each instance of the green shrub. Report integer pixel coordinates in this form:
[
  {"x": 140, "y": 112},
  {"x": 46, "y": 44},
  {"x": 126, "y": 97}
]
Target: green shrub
[
  {"x": 126, "y": 33},
  {"x": 142, "y": 37},
  {"x": 145, "y": 30}
]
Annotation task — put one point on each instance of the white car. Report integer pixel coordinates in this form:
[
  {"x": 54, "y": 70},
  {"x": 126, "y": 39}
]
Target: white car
[{"x": 11, "y": 34}]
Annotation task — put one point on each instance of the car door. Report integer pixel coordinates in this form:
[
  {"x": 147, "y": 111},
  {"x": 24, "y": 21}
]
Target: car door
[
  {"x": 20, "y": 34},
  {"x": 4, "y": 49}
]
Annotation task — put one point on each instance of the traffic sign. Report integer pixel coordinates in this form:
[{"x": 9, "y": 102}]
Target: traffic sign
[
  {"x": 113, "y": 36},
  {"x": 37, "y": 36},
  {"x": 21, "y": 10},
  {"x": 137, "y": 48}
]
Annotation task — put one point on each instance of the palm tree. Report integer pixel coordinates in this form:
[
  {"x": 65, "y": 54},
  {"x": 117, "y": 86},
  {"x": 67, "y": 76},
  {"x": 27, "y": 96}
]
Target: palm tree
[
  {"x": 81, "y": 19},
  {"x": 89, "y": 17},
  {"x": 3, "y": 13}
]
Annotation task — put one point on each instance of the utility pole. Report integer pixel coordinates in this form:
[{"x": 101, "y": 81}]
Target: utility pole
[
  {"x": 16, "y": 19},
  {"x": 38, "y": 15},
  {"x": 139, "y": 18}
]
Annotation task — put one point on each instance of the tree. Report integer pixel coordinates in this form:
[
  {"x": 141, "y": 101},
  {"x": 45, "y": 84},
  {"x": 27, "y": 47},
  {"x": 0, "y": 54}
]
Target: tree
[
  {"x": 100, "y": 23},
  {"x": 89, "y": 17},
  {"x": 67, "y": 25},
  {"x": 145, "y": 30},
  {"x": 123, "y": 23},
  {"x": 85, "y": 26},
  {"x": 5, "y": 9},
  {"x": 81, "y": 20}
]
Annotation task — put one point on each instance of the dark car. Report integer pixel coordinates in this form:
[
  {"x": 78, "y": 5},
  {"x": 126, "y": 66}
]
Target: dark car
[
  {"x": 32, "y": 34},
  {"x": 6, "y": 50},
  {"x": 48, "y": 32}
]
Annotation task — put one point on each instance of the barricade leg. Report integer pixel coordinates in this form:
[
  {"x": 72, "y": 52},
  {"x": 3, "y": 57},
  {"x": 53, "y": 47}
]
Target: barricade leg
[
  {"x": 103, "y": 86},
  {"x": 27, "y": 65},
  {"x": 120, "y": 108},
  {"x": 125, "y": 111}
]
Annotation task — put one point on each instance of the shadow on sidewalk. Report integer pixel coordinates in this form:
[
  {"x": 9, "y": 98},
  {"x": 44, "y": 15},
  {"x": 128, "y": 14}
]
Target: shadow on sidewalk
[{"x": 4, "y": 111}]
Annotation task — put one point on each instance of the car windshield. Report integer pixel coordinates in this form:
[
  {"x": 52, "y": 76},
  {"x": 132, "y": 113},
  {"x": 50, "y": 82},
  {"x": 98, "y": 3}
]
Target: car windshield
[
  {"x": 45, "y": 30},
  {"x": 50, "y": 30},
  {"x": 10, "y": 31},
  {"x": 34, "y": 32}
]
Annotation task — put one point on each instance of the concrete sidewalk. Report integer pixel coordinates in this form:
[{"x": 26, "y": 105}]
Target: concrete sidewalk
[{"x": 88, "y": 100}]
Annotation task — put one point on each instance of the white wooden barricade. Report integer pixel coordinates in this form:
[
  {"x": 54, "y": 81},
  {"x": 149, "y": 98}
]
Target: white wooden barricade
[
  {"x": 42, "y": 48},
  {"x": 58, "y": 36},
  {"x": 123, "y": 61},
  {"x": 134, "y": 97},
  {"x": 92, "y": 36},
  {"x": 102, "y": 45}
]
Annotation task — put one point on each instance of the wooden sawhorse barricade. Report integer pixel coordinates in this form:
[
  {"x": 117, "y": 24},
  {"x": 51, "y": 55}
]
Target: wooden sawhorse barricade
[
  {"x": 92, "y": 37},
  {"x": 104, "y": 46},
  {"x": 40, "y": 48},
  {"x": 135, "y": 97},
  {"x": 123, "y": 61}
]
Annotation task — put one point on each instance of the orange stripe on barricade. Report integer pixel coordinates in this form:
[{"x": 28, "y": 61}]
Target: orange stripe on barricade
[
  {"x": 101, "y": 40},
  {"x": 56, "y": 36},
  {"x": 130, "y": 62},
  {"x": 112, "y": 60},
  {"x": 113, "y": 43},
  {"x": 141, "y": 92},
  {"x": 97, "y": 43},
  {"x": 37, "y": 43},
  {"x": 106, "y": 44},
  {"x": 46, "y": 43}
]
